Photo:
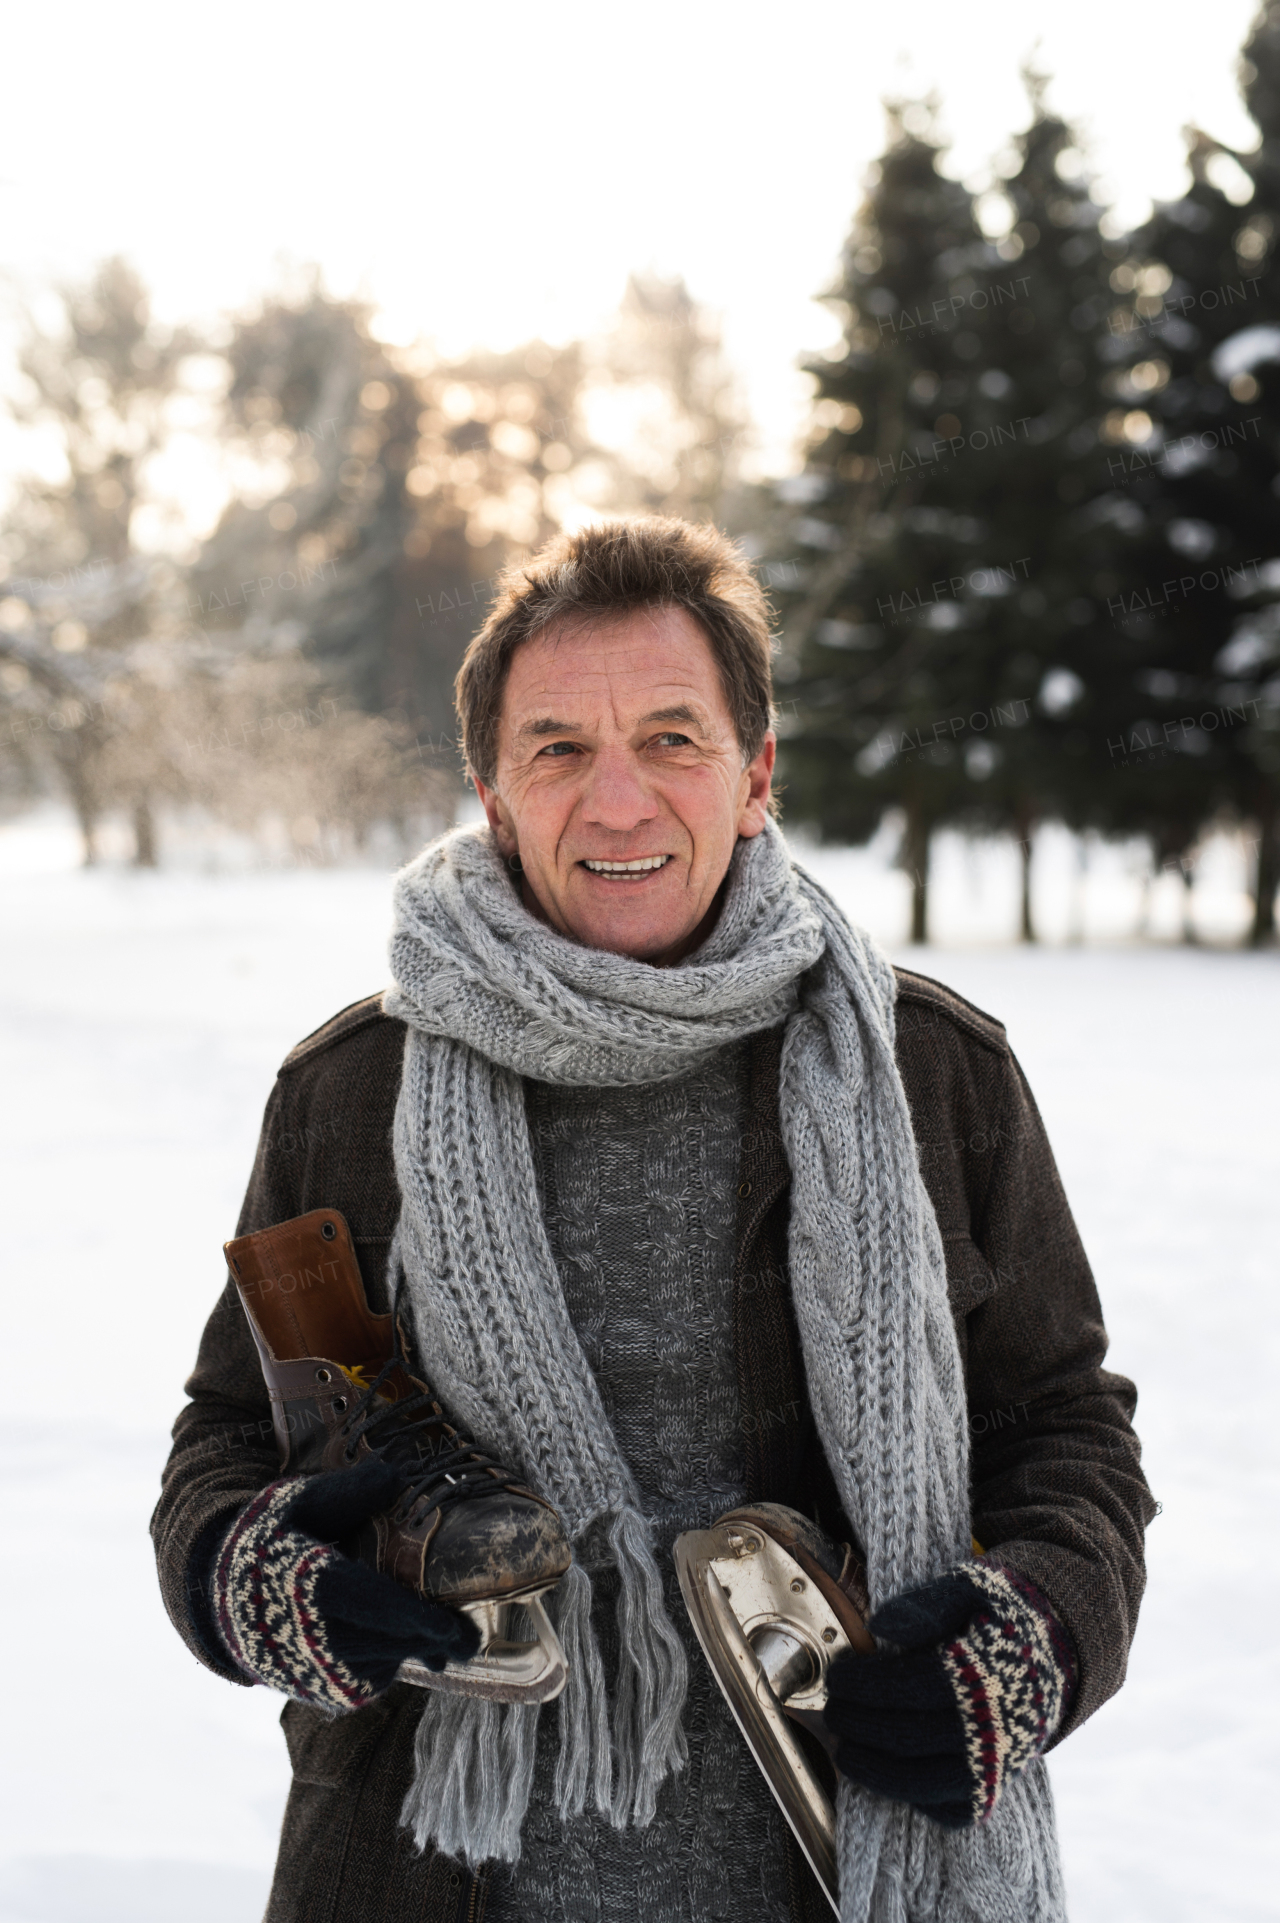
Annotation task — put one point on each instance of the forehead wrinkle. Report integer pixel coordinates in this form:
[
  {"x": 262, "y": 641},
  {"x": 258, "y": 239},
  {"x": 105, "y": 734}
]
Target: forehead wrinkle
[
  {"x": 605, "y": 683},
  {"x": 605, "y": 692}
]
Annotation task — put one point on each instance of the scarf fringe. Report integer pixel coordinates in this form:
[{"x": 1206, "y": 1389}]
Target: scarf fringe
[
  {"x": 585, "y": 1758},
  {"x": 473, "y": 1760},
  {"x": 473, "y": 1771},
  {"x": 649, "y": 1739}
]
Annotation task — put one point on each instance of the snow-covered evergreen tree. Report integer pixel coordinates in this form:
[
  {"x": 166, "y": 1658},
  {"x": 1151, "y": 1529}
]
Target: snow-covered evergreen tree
[
  {"x": 1025, "y": 609},
  {"x": 874, "y": 629},
  {"x": 1198, "y": 614},
  {"x": 955, "y": 435}
]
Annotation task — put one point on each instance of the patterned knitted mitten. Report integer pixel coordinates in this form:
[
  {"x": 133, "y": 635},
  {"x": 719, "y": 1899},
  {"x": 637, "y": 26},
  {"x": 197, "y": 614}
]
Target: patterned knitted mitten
[
  {"x": 301, "y": 1617},
  {"x": 984, "y": 1678}
]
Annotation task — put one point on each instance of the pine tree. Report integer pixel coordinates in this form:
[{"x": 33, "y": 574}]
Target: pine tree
[
  {"x": 871, "y": 651},
  {"x": 1253, "y": 644},
  {"x": 1045, "y": 372},
  {"x": 952, "y": 438},
  {"x": 1143, "y": 557},
  {"x": 1191, "y": 731}
]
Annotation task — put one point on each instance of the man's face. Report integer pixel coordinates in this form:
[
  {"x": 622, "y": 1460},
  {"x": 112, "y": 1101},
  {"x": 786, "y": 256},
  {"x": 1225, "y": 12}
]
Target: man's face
[{"x": 616, "y": 748}]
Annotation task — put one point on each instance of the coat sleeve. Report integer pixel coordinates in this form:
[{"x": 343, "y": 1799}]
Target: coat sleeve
[
  {"x": 224, "y": 1449},
  {"x": 1056, "y": 1478}
]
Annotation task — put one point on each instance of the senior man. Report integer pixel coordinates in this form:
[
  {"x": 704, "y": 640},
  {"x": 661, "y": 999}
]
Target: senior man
[{"x": 689, "y": 1199}]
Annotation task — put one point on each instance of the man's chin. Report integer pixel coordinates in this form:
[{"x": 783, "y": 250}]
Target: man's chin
[
  {"x": 641, "y": 940},
  {"x": 632, "y": 921}
]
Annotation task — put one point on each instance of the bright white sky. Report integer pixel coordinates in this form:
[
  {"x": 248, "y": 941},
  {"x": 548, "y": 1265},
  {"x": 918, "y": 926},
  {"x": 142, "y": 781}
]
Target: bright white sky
[{"x": 487, "y": 172}]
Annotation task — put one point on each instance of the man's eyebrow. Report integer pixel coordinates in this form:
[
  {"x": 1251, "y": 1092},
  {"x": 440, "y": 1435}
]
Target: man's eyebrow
[
  {"x": 681, "y": 712},
  {"x": 547, "y": 725}
]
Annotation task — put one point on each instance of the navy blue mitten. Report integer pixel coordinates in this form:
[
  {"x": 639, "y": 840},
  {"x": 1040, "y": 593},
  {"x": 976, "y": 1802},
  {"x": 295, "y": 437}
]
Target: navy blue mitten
[
  {"x": 300, "y": 1616},
  {"x": 981, "y": 1678}
]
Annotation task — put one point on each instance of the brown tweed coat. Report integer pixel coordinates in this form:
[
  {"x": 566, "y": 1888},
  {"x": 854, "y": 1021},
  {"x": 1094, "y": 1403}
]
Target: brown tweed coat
[{"x": 1056, "y": 1479}]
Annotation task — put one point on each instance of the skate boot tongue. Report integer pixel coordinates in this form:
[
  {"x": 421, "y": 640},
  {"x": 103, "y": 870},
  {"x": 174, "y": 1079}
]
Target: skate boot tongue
[
  {"x": 412, "y": 1434},
  {"x": 462, "y": 1530}
]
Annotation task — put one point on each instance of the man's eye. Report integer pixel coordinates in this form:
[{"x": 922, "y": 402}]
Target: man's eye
[
  {"x": 672, "y": 741},
  {"x": 558, "y": 748}
]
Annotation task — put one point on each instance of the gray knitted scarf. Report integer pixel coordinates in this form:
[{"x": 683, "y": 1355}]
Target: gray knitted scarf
[{"x": 490, "y": 995}]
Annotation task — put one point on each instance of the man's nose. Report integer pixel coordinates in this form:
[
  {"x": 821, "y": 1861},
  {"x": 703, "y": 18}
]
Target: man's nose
[{"x": 617, "y": 796}]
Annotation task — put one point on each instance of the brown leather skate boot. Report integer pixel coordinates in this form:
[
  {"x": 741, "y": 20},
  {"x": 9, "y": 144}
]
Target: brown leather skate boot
[{"x": 463, "y": 1530}]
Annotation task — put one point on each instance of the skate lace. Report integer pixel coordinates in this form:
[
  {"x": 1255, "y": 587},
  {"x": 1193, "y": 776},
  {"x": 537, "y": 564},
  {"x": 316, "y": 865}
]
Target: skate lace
[{"x": 405, "y": 1433}]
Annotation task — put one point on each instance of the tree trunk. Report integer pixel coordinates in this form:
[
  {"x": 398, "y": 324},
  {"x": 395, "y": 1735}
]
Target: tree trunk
[
  {"x": 1189, "y": 935},
  {"x": 915, "y": 857},
  {"x": 144, "y": 834},
  {"x": 1266, "y": 879},
  {"x": 1079, "y": 885},
  {"x": 1024, "y": 822},
  {"x": 1144, "y": 906},
  {"x": 86, "y": 813}
]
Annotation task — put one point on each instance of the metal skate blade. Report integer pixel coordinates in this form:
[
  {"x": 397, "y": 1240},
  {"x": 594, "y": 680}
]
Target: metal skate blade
[
  {"x": 501, "y": 1670},
  {"x": 769, "y": 1635}
]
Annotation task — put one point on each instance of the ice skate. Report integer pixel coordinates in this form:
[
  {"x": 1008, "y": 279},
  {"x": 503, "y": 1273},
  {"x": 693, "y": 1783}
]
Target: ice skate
[
  {"x": 463, "y": 1531},
  {"x": 773, "y": 1602}
]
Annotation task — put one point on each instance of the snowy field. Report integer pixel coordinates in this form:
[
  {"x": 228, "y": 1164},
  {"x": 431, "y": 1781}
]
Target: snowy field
[{"x": 142, "y": 1018}]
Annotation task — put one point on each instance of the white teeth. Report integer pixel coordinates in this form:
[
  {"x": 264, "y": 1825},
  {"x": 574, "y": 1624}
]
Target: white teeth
[{"x": 627, "y": 867}]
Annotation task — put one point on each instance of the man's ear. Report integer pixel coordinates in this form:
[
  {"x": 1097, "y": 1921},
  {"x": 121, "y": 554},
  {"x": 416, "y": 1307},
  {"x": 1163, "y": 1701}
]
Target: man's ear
[
  {"x": 757, "y": 779},
  {"x": 498, "y": 818}
]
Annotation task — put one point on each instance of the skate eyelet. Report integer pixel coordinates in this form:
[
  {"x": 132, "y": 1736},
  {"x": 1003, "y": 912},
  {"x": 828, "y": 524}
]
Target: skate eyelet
[
  {"x": 324, "y": 1375},
  {"x": 339, "y": 1403},
  {"x": 328, "y": 1231}
]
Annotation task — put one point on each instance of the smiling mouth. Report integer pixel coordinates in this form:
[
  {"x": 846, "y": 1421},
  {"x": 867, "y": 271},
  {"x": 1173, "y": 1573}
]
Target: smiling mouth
[{"x": 627, "y": 870}]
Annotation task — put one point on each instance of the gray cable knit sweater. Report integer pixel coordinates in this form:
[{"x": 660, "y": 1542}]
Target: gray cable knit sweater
[{"x": 637, "y": 1187}]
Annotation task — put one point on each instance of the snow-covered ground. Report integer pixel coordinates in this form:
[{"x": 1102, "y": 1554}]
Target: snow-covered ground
[{"x": 141, "y": 1021}]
